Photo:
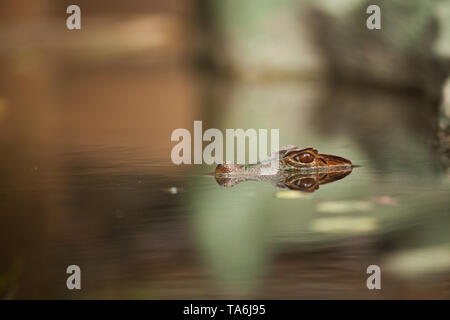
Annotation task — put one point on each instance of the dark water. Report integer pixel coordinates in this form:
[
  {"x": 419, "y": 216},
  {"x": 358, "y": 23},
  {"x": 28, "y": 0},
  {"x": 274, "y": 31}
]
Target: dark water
[{"x": 86, "y": 179}]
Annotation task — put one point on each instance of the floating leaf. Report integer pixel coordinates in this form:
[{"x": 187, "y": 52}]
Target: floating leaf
[
  {"x": 344, "y": 224},
  {"x": 344, "y": 206},
  {"x": 291, "y": 195}
]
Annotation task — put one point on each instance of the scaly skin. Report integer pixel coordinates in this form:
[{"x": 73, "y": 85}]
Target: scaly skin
[{"x": 290, "y": 167}]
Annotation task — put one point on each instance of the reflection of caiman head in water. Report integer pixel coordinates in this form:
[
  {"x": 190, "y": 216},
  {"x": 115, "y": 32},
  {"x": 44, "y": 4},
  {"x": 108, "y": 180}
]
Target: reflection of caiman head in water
[
  {"x": 292, "y": 181},
  {"x": 299, "y": 169},
  {"x": 310, "y": 183}
]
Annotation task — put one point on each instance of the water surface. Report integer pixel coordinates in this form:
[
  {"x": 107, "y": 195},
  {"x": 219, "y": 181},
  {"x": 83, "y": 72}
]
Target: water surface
[{"x": 87, "y": 180}]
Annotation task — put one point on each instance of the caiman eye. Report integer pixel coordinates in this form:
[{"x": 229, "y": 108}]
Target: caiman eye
[
  {"x": 304, "y": 157},
  {"x": 306, "y": 183}
]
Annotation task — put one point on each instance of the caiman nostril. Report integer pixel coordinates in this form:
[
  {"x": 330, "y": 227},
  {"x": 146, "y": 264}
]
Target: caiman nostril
[{"x": 228, "y": 169}]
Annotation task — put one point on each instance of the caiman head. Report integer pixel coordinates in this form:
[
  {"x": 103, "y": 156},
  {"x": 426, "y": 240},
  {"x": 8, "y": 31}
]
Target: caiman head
[
  {"x": 294, "y": 158},
  {"x": 299, "y": 169}
]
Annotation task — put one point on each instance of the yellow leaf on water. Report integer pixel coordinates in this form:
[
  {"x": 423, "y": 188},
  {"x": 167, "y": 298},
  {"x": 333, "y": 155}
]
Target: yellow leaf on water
[
  {"x": 343, "y": 206},
  {"x": 420, "y": 261},
  {"x": 345, "y": 224},
  {"x": 291, "y": 195}
]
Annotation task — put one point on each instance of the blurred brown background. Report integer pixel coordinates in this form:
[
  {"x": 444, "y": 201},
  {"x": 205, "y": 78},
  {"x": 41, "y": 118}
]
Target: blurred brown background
[{"x": 85, "y": 124}]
